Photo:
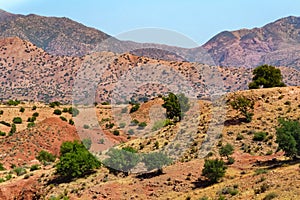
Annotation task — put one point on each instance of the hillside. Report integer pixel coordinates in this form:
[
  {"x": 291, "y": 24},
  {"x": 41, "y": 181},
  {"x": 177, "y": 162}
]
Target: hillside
[
  {"x": 276, "y": 43},
  {"x": 256, "y": 162},
  {"x": 33, "y": 74}
]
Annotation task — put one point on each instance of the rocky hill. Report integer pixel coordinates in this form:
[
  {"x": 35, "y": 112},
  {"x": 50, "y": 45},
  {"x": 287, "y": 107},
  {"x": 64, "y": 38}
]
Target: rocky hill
[
  {"x": 29, "y": 73},
  {"x": 276, "y": 43}
]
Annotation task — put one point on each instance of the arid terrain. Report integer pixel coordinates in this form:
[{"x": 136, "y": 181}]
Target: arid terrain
[{"x": 62, "y": 81}]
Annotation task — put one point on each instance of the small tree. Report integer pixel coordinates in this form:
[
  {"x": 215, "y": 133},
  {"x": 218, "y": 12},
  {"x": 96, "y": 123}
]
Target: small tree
[
  {"x": 266, "y": 76},
  {"x": 17, "y": 120},
  {"x": 75, "y": 160},
  {"x": 226, "y": 150},
  {"x": 288, "y": 137},
  {"x": 87, "y": 142},
  {"x": 214, "y": 170},
  {"x": 244, "y": 105},
  {"x": 176, "y": 106},
  {"x": 121, "y": 160},
  {"x": 156, "y": 160}
]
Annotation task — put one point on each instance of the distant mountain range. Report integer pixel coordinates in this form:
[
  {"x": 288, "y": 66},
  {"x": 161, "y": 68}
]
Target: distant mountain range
[{"x": 277, "y": 43}]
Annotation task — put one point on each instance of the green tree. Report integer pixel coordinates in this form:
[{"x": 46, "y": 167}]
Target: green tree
[
  {"x": 176, "y": 106},
  {"x": 288, "y": 137},
  {"x": 266, "y": 76},
  {"x": 13, "y": 129},
  {"x": 87, "y": 142},
  {"x": 75, "y": 160},
  {"x": 156, "y": 160},
  {"x": 214, "y": 170},
  {"x": 121, "y": 160},
  {"x": 17, "y": 120},
  {"x": 244, "y": 105},
  {"x": 226, "y": 150}
]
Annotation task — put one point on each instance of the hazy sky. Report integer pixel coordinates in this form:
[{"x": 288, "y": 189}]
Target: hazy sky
[{"x": 197, "y": 19}]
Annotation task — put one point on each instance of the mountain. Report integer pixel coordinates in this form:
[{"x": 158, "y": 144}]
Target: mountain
[
  {"x": 58, "y": 36},
  {"x": 277, "y": 43}
]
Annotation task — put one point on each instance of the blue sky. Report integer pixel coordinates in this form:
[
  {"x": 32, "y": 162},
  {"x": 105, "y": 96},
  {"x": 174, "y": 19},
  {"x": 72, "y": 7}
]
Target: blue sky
[{"x": 196, "y": 19}]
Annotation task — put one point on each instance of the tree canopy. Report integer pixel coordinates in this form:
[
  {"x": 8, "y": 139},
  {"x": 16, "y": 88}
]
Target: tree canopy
[
  {"x": 266, "y": 76},
  {"x": 214, "y": 170},
  {"x": 75, "y": 160},
  {"x": 288, "y": 137},
  {"x": 176, "y": 105}
]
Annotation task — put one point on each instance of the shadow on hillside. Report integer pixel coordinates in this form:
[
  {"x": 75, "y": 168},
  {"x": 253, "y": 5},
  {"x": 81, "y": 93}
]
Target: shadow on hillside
[
  {"x": 149, "y": 174},
  {"x": 237, "y": 121},
  {"x": 59, "y": 180},
  {"x": 201, "y": 184},
  {"x": 274, "y": 163}
]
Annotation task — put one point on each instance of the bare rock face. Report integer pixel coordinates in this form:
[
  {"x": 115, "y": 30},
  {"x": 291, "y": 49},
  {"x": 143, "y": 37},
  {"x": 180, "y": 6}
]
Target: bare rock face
[{"x": 277, "y": 43}]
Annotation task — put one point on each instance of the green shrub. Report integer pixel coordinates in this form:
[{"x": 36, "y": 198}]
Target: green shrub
[
  {"x": 57, "y": 112},
  {"x": 55, "y": 103},
  {"x": 73, "y": 111},
  {"x": 20, "y": 171},
  {"x": 270, "y": 196},
  {"x": 226, "y": 150},
  {"x": 75, "y": 160},
  {"x": 36, "y": 114},
  {"x": 71, "y": 122},
  {"x": 85, "y": 126},
  {"x": 134, "y": 122},
  {"x": 134, "y": 108},
  {"x": 214, "y": 170},
  {"x": 30, "y": 124},
  {"x": 63, "y": 118},
  {"x": 31, "y": 119},
  {"x": 2, "y": 133},
  {"x": 12, "y": 130},
  {"x": 33, "y": 107},
  {"x": 45, "y": 156},
  {"x": 13, "y": 103},
  {"x": 1, "y": 167},
  {"x": 244, "y": 105},
  {"x": 5, "y": 123},
  {"x": 65, "y": 110},
  {"x": 1, "y": 112},
  {"x": 176, "y": 106},
  {"x": 34, "y": 167},
  {"x": 22, "y": 109},
  {"x": 155, "y": 160},
  {"x": 259, "y": 136},
  {"x": 142, "y": 125},
  {"x": 17, "y": 120},
  {"x": 87, "y": 142}
]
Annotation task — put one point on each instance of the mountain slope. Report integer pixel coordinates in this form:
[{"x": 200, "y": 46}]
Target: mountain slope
[
  {"x": 277, "y": 43},
  {"x": 59, "y": 36}
]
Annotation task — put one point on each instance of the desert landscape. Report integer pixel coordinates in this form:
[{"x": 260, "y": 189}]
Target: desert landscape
[{"x": 85, "y": 115}]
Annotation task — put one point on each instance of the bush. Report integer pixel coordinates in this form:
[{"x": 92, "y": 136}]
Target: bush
[
  {"x": 17, "y": 120},
  {"x": 155, "y": 160},
  {"x": 1, "y": 112},
  {"x": 134, "y": 122},
  {"x": 142, "y": 125},
  {"x": 63, "y": 118},
  {"x": 134, "y": 108},
  {"x": 2, "y": 167},
  {"x": 116, "y": 132},
  {"x": 266, "y": 76},
  {"x": 73, "y": 111},
  {"x": 270, "y": 196},
  {"x": 13, "y": 129},
  {"x": 244, "y": 105},
  {"x": 230, "y": 161},
  {"x": 214, "y": 170},
  {"x": 45, "y": 156},
  {"x": 65, "y": 110},
  {"x": 34, "y": 167},
  {"x": 85, "y": 126},
  {"x": 121, "y": 160},
  {"x": 33, "y": 107},
  {"x": 31, "y": 119},
  {"x": 30, "y": 124},
  {"x": 259, "y": 136},
  {"x": 71, "y": 122},
  {"x": 288, "y": 137},
  {"x": 226, "y": 150},
  {"x": 2, "y": 133},
  {"x": 22, "y": 109},
  {"x": 176, "y": 106},
  {"x": 75, "y": 160},
  {"x": 20, "y": 171},
  {"x": 36, "y": 114},
  {"x": 57, "y": 112},
  {"x": 5, "y": 123},
  {"x": 87, "y": 142},
  {"x": 55, "y": 103},
  {"x": 13, "y": 103}
]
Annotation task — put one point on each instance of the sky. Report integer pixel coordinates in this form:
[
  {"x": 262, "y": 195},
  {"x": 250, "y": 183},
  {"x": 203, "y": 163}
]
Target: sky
[{"x": 195, "y": 20}]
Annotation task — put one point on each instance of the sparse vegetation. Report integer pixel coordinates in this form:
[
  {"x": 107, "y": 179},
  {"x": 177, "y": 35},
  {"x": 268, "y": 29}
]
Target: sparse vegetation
[{"x": 244, "y": 105}]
